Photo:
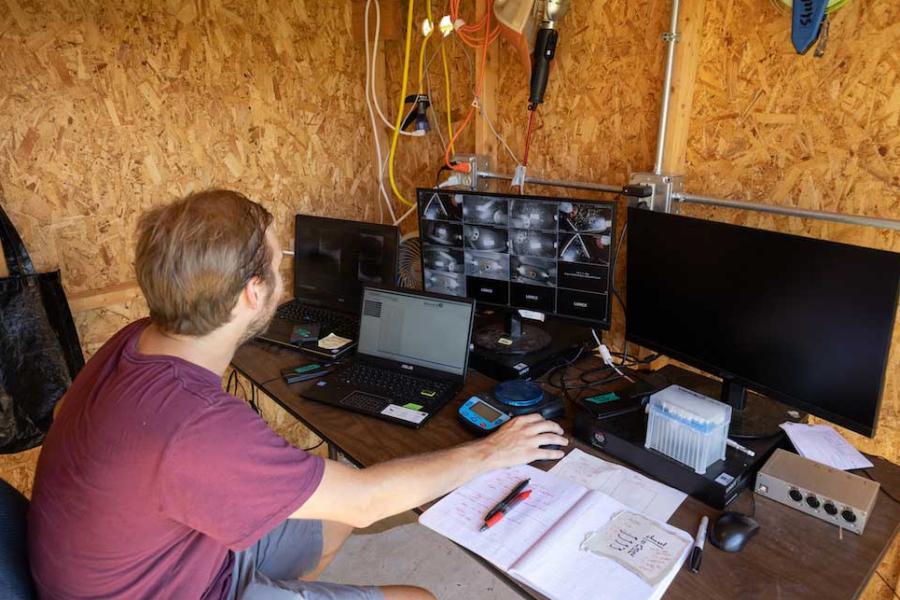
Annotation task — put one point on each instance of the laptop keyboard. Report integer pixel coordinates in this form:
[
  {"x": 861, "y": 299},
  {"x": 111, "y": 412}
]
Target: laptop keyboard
[
  {"x": 332, "y": 321},
  {"x": 401, "y": 389},
  {"x": 364, "y": 402}
]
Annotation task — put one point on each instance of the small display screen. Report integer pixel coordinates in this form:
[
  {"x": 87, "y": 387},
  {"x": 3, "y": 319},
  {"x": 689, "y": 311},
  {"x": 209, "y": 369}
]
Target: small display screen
[{"x": 483, "y": 410}]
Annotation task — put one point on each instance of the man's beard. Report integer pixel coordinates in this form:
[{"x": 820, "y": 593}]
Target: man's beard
[{"x": 261, "y": 323}]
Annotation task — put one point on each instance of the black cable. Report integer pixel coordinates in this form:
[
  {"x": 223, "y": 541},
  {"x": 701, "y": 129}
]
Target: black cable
[
  {"x": 311, "y": 448},
  {"x": 563, "y": 365},
  {"x": 615, "y": 263},
  {"x": 880, "y": 486}
]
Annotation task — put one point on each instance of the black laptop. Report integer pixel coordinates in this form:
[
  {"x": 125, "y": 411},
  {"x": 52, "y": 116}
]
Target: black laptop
[
  {"x": 333, "y": 260},
  {"x": 412, "y": 357}
]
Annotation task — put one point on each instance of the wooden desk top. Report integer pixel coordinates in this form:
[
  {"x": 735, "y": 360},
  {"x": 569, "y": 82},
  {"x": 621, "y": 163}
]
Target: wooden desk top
[{"x": 794, "y": 556}]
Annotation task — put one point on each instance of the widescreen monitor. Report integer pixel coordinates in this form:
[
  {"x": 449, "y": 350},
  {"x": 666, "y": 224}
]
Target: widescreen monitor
[{"x": 805, "y": 321}]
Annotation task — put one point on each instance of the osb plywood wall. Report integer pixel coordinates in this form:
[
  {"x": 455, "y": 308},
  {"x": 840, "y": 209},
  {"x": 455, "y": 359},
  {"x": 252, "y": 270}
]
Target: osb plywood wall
[
  {"x": 822, "y": 134},
  {"x": 107, "y": 109},
  {"x": 418, "y": 159},
  {"x": 601, "y": 110}
]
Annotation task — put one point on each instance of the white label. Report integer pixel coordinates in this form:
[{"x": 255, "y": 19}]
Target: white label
[
  {"x": 407, "y": 414},
  {"x": 532, "y": 314},
  {"x": 724, "y": 479},
  {"x": 505, "y": 341},
  {"x": 521, "y": 368}
]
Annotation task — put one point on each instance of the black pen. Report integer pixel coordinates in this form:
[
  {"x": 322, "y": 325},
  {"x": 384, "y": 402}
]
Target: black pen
[
  {"x": 697, "y": 552},
  {"x": 503, "y": 505}
]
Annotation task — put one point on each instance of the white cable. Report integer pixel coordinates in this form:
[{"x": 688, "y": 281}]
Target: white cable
[
  {"x": 487, "y": 120},
  {"x": 375, "y": 135},
  {"x": 607, "y": 358},
  {"x": 402, "y": 218},
  {"x": 375, "y": 71}
]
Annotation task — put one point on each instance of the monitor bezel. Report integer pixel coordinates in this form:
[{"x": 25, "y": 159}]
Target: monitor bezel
[{"x": 330, "y": 299}]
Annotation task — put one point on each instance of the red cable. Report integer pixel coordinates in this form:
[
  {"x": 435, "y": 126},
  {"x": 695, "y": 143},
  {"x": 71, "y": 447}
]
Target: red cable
[{"x": 528, "y": 134}]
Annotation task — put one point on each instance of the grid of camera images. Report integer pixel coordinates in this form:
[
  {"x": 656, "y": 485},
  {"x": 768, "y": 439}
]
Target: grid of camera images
[{"x": 541, "y": 254}]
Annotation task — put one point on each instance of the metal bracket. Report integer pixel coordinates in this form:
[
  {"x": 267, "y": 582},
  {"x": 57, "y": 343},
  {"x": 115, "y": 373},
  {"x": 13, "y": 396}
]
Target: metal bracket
[
  {"x": 665, "y": 187},
  {"x": 668, "y": 36}
]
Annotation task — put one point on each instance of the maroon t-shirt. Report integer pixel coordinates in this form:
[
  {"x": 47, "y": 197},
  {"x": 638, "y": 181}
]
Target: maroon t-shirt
[{"x": 150, "y": 476}]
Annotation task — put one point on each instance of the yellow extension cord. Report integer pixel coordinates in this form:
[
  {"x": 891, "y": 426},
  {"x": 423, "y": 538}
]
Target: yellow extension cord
[
  {"x": 399, "y": 121},
  {"x": 447, "y": 93}
]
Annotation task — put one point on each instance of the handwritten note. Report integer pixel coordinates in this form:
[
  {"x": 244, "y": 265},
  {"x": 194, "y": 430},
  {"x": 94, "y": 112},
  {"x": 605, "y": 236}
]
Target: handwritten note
[
  {"x": 333, "y": 342},
  {"x": 637, "y": 543}
]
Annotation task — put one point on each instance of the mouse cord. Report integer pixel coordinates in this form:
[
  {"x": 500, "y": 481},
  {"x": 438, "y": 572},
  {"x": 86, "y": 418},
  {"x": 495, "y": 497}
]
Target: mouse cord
[{"x": 880, "y": 487}]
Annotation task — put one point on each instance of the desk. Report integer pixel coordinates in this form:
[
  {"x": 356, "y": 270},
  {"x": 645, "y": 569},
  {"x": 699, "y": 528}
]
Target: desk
[{"x": 794, "y": 556}]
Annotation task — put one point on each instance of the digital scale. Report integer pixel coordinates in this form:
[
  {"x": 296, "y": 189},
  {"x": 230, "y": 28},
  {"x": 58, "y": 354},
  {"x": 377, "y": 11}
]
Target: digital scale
[{"x": 488, "y": 412}]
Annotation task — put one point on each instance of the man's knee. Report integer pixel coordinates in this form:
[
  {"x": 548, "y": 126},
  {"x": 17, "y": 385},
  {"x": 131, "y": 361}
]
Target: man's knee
[
  {"x": 334, "y": 535},
  {"x": 406, "y": 592}
]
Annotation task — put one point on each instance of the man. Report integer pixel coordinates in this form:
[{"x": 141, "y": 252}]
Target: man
[{"x": 155, "y": 483}]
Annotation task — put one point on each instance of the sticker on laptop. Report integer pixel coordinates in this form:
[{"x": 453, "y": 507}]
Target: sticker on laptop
[{"x": 406, "y": 414}]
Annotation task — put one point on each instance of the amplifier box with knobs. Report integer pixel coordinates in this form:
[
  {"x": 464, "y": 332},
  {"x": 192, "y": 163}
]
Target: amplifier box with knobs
[{"x": 835, "y": 496}]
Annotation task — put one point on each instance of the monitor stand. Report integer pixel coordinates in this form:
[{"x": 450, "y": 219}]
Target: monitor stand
[
  {"x": 512, "y": 336},
  {"x": 752, "y": 415}
]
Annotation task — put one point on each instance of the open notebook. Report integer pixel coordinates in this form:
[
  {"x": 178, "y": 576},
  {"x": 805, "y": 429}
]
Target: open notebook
[{"x": 564, "y": 541}]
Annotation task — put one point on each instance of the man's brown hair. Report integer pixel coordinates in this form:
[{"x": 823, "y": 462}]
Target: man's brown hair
[{"x": 194, "y": 257}]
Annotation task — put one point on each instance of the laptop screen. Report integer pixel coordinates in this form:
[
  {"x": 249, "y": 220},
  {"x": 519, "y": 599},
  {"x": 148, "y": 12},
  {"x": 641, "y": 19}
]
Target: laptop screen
[
  {"x": 335, "y": 258},
  {"x": 415, "y": 329}
]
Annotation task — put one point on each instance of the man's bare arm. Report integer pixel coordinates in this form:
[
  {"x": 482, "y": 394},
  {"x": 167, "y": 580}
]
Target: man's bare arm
[{"x": 360, "y": 497}]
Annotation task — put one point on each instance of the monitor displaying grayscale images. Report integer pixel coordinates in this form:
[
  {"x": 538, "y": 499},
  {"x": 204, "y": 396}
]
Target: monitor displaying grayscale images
[{"x": 551, "y": 255}]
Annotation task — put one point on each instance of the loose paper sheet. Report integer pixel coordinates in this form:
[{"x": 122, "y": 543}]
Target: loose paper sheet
[
  {"x": 638, "y": 544},
  {"x": 823, "y": 444},
  {"x": 635, "y": 491}
]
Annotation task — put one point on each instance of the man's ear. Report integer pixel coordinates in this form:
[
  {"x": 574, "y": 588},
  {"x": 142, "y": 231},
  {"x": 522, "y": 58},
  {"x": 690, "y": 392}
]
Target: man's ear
[{"x": 253, "y": 293}]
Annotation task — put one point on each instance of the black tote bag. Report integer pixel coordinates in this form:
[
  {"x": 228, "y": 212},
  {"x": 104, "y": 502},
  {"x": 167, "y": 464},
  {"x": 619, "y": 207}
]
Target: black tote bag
[{"x": 39, "y": 349}]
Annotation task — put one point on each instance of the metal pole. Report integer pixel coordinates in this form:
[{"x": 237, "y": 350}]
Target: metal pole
[
  {"x": 791, "y": 212},
  {"x": 671, "y": 38},
  {"x": 597, "y": 187}
]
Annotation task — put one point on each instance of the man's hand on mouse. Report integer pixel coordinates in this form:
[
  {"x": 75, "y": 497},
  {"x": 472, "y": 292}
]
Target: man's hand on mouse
[{"x": 519, "y": 441}]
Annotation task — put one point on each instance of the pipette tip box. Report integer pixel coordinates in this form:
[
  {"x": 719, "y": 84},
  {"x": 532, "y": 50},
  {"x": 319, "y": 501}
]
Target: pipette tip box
[{"x": 688, "y": 427}]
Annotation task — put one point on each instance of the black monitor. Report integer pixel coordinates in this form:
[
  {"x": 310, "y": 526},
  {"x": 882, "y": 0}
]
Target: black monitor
[
  {"x": 335, "y": 258},
  {"x": 548, "y": 255},
  {"x": 805, "y": 321}
]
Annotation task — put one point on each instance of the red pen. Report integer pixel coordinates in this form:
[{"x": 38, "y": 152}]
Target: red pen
[{"x": 501, "y": 512}]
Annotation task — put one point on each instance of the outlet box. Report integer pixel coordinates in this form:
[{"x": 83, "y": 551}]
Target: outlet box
[
  {"x": 664, "y": 186},
  {"x": 477, "y": 163}
]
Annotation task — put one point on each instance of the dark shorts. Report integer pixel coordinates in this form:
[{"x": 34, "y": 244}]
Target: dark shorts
[{"x": 269, "y": 569}]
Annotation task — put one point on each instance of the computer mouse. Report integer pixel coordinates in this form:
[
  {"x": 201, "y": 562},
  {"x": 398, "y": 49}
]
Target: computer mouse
[{"x": 732, "y": 530}]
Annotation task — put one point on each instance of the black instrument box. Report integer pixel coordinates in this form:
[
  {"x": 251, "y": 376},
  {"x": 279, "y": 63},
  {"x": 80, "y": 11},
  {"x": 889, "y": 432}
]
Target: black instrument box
[
  {"x": 621, "y": 434},
  {"x": 566, "y": 339}
]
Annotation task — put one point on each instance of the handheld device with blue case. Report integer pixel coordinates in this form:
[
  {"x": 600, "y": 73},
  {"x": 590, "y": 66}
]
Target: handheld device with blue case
[{"x": 481, "y": 416}]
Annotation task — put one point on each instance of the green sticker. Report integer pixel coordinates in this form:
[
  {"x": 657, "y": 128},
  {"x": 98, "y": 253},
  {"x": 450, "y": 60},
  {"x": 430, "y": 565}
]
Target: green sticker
[
  {"x": 307, "y": 368},
  {"x": 603, "y": 398},
  {"x": 412, "y": 406}
]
